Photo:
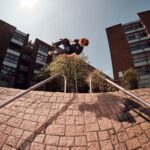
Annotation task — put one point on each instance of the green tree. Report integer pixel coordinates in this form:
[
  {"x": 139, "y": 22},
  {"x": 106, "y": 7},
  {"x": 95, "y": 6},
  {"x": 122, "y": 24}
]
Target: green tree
[
  {"x": 75, "y": 69},
  {"x": 97, "y": 82},
  {"x": 130, "y": 79}
]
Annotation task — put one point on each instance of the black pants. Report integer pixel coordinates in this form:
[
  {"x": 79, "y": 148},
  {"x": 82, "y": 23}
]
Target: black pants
[{"x": 65, "y": 43}]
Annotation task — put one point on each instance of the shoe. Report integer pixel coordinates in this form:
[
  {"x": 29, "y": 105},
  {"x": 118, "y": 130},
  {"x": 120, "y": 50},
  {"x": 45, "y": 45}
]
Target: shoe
[
  {"x": 52, "y": 52},
  {"x": 54, "y": 45}
]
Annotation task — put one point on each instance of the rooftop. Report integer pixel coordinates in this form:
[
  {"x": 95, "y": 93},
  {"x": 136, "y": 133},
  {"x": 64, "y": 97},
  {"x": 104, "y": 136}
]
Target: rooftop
[{"x": 59, "y": 121}]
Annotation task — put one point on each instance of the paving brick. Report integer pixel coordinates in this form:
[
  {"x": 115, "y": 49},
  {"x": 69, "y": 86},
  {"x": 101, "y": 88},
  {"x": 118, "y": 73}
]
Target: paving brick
[
  {"x": 90, "y": 119},
  {"x": 42, "y": 119},
  {"x": 27, "y": 116},
  {"x": 80, "y": 130},
  {"x": 145, "y": 126},
  {"x": 6, "y": 147},
  {"x": 60, "y": 120},
  {"x": 17, "y": 132},
  {"x": 122, "y": 136},
  {"x": 75, "y": 130},
  {"x": 56, "y": 130},
  {"x": 92, "y": 136},
  {"x": 70, "y": 120},
  {"x": 3, "y": 138},
  {"x": 148, "y": 133},
  {"x": 80, "y": 141},
  {"x": 67, "y": 141},
  {"x": 28, "y": 125},
  {"x": 121, "y": 146},
  {"x": 2, "y": 127},
  {"x": 49, "y": 147},
  {"x": 104, "y": 123},
  {"x": 130, "y": 132},
  {"x": 15, "y": 122},
  {"x": 114, "y": 139},
  {"x": 92, "y": 127},
  {"x": 37, "y": 146},
  {"x": 63, "y": 148},
  {"x": 143, "y": 138},
  {"x": 78, "y": 148},
  {"x": 39, "y": 138},
  {"x": 51, "y": 140},
  {"x": 103, "y": 135},
  {"x": 23, "y": 145},
  {"x": 93, "y": 146},
  {"x": 9, "y": 130},
  {"x": 34, "y": 117},
  {"x": 79, "y": 120},
  {"x": 27, "y": 135},
  {"x": 12, "y": 141},
  {"x": 106, "y": 145},
  {"x": 137, "y": 130},
  {"x": 133, "y": 144}
]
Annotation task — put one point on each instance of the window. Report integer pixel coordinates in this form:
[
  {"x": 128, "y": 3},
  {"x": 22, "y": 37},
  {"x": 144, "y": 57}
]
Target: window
[
  {"x": 25, "y": 57},
  {"x": 23, "y": 68},
  {"x": 142, "y": 70},
  {"x": 18, "y": 37},
  {"x": 139, "y": 58},
  {"x": 43, "y": 49},
  {"x": 132, "y": 26},
  {"x": 139, "y": 45},
  {"x": 8, "y": 71},
  {"x": 41, "y": 58},
  {"x": 120, "y": 74},
  {"x": 11, "y": 58},
  {"x": 136, "y": 35},
  {"x": 38, "y": 66}
]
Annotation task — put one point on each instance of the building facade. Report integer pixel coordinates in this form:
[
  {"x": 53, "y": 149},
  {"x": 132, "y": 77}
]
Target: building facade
[
  {"x": 130, "y": 47},
  {"x": 20, "y": 59}
]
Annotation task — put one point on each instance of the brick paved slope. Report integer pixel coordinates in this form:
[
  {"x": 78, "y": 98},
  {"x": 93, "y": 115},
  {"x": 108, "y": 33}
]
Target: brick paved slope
[{"x": 57, "y": 121}]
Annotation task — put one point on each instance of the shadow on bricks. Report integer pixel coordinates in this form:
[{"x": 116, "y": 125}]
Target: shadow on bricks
[
  {"x": 44, "y": 126},
  {"x": 119, "y": 107}
]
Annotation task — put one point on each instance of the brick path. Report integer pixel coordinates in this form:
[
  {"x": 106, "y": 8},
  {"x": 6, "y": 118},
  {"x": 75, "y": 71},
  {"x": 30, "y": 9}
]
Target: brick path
[{"x": 57, "y": 121}]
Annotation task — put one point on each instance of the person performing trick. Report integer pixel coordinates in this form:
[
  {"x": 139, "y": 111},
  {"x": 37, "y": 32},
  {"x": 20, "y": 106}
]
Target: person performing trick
[{"x": 71, "y": 48}]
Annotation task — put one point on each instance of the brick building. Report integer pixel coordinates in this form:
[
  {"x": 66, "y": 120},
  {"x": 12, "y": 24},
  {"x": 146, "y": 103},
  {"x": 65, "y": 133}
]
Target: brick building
[
  {"x": 20, "y": 59},
  {"x": 130, "y": 47}
]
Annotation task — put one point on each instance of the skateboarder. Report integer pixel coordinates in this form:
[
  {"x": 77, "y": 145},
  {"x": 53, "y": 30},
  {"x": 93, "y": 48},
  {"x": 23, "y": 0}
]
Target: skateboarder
[{"x": 70, "y": 50}]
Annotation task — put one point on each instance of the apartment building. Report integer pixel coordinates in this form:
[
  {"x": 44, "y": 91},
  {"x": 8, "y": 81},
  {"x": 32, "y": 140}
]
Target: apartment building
[
  {"x": 130, "y": 47},
  {"x": 20, "y": 59}
]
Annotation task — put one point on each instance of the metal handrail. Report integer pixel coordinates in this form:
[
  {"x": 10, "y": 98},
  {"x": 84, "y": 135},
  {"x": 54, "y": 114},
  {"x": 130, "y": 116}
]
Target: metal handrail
[
  {"x": 34, "y": 87},
  {"x": 120, "y": 88}
]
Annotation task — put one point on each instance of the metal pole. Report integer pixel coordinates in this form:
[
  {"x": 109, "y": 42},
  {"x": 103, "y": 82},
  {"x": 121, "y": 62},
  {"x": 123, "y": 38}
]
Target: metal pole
[
  {"x": 122, "y": 89},
  {"x": 32, "y": 88},
  {"x": 76, "y": 82},
  {"x": 90, "y": 83}
]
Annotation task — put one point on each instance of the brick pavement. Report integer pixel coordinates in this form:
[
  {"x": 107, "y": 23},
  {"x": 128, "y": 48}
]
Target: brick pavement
[{"x": 58, "y": 121}]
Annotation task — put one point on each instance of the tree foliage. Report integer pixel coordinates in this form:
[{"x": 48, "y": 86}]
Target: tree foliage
[
  {"x": 75, "y": 69},
  {"x": 130, "y": 79}
]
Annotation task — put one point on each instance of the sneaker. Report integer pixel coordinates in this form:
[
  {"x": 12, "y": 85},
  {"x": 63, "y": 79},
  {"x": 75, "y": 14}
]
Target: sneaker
[
  {"x": 54, "y": 45},
  {"x": 52, "y": 52}
]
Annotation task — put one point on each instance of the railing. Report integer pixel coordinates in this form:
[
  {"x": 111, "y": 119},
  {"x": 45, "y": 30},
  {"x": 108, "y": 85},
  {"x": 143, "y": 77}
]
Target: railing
[
  {"x": 120, "y": 88},
  {"x": 34, "y": 87}
]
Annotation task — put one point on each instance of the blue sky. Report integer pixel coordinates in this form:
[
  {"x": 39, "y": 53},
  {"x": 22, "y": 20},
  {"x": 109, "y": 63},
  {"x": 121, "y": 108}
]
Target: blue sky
[{"x": 50, "y": 20}]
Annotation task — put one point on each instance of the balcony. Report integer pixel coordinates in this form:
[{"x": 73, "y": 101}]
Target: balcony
[
  {"x": 9, "y": 64},
  {"x": 138, "y": 39},
  {"x": 134, "y": 30},
  {"x": 17, "y": 42},
  {"x": 40, "y": 62},
  {"x": 140, "y": 50}
]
